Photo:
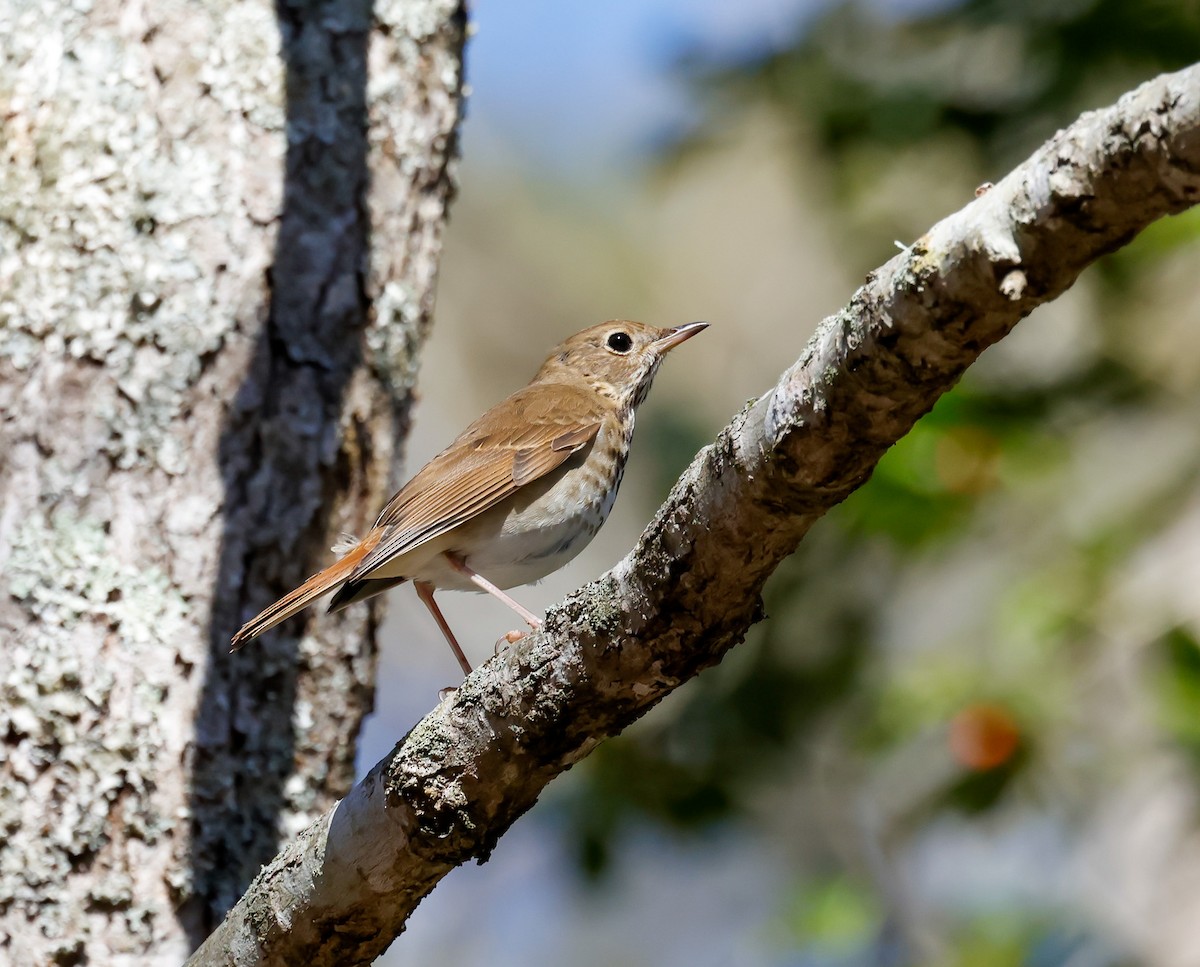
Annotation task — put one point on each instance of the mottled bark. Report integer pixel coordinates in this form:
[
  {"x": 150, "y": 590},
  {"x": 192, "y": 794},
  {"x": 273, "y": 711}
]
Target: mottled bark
[
  {"x": 343, "y": 890},
  {"x": 219, "y": 231}
]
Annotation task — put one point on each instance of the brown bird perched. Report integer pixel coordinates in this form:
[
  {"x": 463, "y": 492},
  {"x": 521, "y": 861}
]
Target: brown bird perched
[{"x": 517, "y": 495}]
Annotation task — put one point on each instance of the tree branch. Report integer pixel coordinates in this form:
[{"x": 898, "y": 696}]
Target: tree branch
[{"x": 690, "y": 589}]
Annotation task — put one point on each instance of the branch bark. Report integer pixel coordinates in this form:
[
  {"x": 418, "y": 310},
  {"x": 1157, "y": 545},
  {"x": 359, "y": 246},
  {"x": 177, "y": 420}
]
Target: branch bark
[{"x": 690, "y": 589}]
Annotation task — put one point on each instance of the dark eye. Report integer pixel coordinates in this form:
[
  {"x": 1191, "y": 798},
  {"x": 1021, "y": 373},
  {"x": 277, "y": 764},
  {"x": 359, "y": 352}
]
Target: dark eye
[{"x": 620, "y": 342}]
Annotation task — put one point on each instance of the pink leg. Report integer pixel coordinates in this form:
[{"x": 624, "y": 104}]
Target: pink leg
[
  {"x": 483, "y": 583},
  {"x": 425, "y": 593}
]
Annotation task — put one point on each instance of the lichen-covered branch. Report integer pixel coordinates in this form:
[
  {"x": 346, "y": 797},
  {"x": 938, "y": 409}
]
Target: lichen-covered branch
[{"x": 343, "y": 890}]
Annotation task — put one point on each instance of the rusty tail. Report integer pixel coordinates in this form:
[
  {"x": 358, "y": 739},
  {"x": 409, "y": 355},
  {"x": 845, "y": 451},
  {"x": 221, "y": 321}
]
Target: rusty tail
[{"x": 321, "y": 583}]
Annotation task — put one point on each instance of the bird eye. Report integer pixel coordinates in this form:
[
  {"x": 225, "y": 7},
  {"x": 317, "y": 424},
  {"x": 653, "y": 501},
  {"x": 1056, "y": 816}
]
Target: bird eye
[{"x": 620, "y": 342}]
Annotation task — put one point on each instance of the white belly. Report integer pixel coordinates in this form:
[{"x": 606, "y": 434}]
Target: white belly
[{"x": 528, "y": 536}]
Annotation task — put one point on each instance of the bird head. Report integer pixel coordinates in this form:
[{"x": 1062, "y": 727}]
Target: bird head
[{"x": 617, "y": 359}]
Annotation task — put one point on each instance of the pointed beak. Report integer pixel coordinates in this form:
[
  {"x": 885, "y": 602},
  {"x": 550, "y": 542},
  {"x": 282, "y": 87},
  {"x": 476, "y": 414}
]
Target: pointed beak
[{"x": 664, "y": 344}]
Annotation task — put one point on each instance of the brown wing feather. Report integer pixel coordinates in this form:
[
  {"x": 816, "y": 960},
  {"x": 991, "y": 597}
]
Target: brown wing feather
[
  {"x": 537, "y": 460},
  {"x": 529, "y": 435}
]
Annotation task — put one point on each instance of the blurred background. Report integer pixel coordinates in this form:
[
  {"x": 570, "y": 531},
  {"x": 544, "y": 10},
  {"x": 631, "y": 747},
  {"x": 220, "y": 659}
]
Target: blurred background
[{"x": 969, "y": 731}]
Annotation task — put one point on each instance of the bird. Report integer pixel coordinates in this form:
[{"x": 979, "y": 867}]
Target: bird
[{"x": 515, "y": 496}]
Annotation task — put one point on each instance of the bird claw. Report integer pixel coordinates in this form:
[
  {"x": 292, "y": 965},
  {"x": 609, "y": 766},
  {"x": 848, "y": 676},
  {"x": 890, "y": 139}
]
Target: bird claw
[{"x": 509, "y": 639}]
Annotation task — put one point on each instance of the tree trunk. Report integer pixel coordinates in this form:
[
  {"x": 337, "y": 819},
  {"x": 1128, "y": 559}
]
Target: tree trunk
[{"x": 208, "y": 345}]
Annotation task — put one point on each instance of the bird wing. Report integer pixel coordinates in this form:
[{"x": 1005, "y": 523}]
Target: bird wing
[
  {"x": 522, "y": 439},
  {"x": 529, "y": 435}
]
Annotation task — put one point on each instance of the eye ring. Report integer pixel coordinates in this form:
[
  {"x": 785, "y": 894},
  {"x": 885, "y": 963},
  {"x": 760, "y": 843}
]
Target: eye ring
[{"x": 620, "y": 342}]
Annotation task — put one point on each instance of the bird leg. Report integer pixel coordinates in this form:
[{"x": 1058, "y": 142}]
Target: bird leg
[
  {"x": 425, "y": 593},
  {"x": 484, "y": 584}
]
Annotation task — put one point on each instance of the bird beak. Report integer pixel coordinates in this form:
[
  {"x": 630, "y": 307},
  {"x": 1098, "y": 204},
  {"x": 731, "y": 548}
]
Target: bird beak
[{"x": 674, "y": 337}]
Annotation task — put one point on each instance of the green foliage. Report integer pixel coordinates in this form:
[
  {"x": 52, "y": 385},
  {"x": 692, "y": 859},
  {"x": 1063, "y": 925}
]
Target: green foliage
[
  {"x": 834, "y": 914},
  {"x": 1125, "y": 267},
  {"x": 1177, "y": 681},
  {"x": 991, "y": 69}
]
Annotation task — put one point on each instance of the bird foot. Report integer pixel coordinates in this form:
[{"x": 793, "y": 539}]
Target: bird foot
[
  {"x": 445, "y": 693},
  {"x": 509, "y": 639}
]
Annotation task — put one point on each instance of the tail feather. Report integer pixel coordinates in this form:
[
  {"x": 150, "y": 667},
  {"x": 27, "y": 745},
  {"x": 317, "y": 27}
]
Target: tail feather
[
  {"x": 354, "y": 591},
  {"x": 320, "y": 583}
]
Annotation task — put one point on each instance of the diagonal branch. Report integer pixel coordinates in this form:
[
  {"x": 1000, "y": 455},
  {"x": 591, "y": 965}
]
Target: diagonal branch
[{"x": 690, "y": 589}]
